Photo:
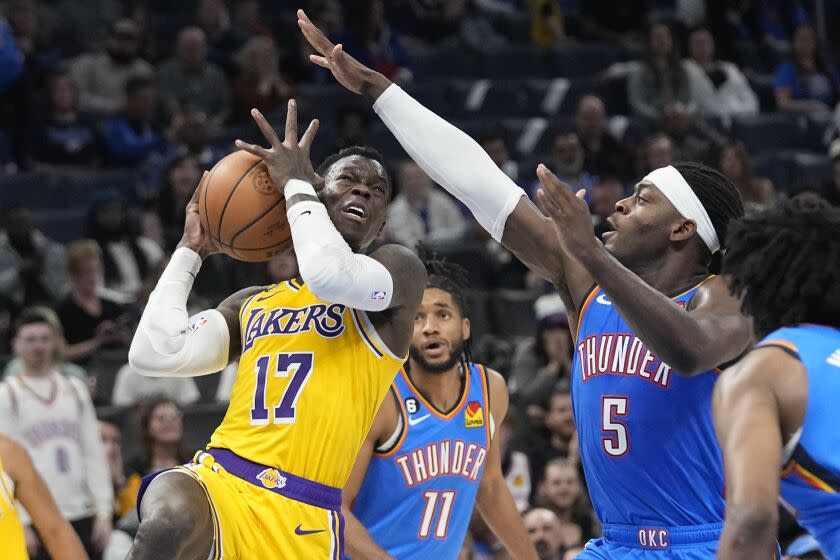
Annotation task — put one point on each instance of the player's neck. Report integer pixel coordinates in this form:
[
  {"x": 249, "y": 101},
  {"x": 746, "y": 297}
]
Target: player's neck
[
  {"x": 441, "y": 389},
  {"x": 671, "y": 275}
]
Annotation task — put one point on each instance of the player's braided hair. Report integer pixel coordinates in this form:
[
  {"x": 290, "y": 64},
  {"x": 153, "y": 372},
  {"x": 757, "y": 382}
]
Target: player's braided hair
[
  {"x": 449, "y": 277},
  {"x": 717, "y": 194},
  {"x": 785, "y": 263}
]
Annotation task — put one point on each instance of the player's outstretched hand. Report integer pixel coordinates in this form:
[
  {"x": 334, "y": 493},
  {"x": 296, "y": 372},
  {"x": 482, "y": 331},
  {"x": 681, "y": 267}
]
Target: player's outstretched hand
[
  {"x": 349, "y": 72},
  {"x": 195, "y": 237},
  {"x": 288, "y": 159},
  {"x": 568, "y": 212}
]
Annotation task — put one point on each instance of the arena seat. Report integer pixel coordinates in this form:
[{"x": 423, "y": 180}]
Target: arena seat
[
  {"x": 445, "y": 62},
  {"x": 577, "y": 60},
  {"x": 200, "y": 420},
  {"x": 767, "y": 132},
  {"x": 513, "y": 312},
  {"x": 490, "y": 98},
  {"x": 33, "y": 190},
  {"x": 64, "y": 225},
  {"x": 434, "y": 96},
  {"x": 514, "y": 61},
  {"x": 762, "y": 85}
]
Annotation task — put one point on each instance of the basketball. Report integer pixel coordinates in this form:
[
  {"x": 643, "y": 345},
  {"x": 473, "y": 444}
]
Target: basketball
[{"x": 242, "y": 211}]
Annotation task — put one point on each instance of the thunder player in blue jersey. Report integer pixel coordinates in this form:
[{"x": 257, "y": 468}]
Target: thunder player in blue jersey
[
  {"x": 430, "y": 456},
  {"x": 776, "y": 410},
  {"x": 652, "y": 324}
]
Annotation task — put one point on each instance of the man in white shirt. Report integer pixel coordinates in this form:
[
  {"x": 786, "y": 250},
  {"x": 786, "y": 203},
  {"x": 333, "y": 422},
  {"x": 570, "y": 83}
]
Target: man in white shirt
[
  {"x": 53, "y": 417},
  {"x": 422, "y": 212}
]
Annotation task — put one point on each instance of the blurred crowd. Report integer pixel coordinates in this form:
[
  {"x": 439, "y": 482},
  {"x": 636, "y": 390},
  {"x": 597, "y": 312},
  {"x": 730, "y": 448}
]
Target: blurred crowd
[{"x": 153, "y": 93}]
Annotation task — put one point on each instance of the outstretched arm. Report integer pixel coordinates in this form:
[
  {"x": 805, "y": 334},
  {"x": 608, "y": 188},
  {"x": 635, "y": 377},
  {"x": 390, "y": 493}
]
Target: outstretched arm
[
  {"x": 747, "y": 419},
  {"x": 494, "y": 500},
  {"x": 713, "y": 332},
  {"x": 457, "y": 163}
]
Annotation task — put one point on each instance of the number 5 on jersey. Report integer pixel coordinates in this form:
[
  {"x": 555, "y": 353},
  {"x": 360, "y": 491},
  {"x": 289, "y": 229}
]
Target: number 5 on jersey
[
  {"x": 299, "y": 366},
  {"x": 616, "y": 442}
]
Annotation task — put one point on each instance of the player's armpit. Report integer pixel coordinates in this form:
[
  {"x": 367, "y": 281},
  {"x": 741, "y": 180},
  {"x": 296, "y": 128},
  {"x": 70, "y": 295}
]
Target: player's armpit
[
  {"x": 230, "y": 309},
  {"x": 747, "y": 420}
]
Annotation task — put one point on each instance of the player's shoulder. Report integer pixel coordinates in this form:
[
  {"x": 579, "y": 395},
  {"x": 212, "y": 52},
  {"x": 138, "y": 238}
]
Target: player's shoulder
[
  {"x": 12, "y": 454},
  {"x": 233, "y": 303},
  {"x": 767, "y": 365},
  {"x": 399, "y": 255},
  {"x": 498, "y": 391}
]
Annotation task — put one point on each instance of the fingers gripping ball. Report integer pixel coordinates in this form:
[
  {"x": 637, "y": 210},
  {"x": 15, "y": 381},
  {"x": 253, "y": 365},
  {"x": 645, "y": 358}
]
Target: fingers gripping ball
[{"x": 242, "y": 211}]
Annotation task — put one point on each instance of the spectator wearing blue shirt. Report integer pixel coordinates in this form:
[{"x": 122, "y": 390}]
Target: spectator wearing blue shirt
[
  {"x": 64, "y": 138},
  {"x": 132, "y": 137},
  {"x": 807, "y": 84}
]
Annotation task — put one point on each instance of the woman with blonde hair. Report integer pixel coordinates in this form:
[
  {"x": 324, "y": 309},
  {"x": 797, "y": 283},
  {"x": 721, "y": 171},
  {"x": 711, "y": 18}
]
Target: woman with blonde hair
[{"x": 259, "y": 83}]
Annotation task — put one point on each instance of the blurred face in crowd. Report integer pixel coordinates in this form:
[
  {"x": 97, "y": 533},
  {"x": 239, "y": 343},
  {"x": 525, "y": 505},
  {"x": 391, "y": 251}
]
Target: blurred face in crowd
[
  {"x": 731, "y": 164},
  {"x": 87, "y": 275},
  {"x": 591, "y": 118},
  {"x": 701, "y": 47},
  {"x": 352, "y": 129},
  {"x": 192, "y": 47},
  {"x": 568, "y": 154},
  {"x": 165, "y": 425},
  {"x": 543, "y": 528},
  {"x": 660, "y": 40},
  {"x": 660, "y": 152},
  {"x": 111, "y": 217},
  {"x": 497, "y": 150},
  {"x": 561, "y": 486},
  {"x": 184, "y": 177},
  {"x": 36, "y": 345},
  {"x": 414, "y": 182},
  {"x": 112, "y": 442},
  {"x": 142, "y": 103},
  {"x": 675, "y": 120},
  {"x": 559, "y": 419},
  {"x": 213, "y": 14},
  {"x": 556, "y": 342},
  {"x": 605, "y": 195},
  {"x": 440, "y": 330},
  {"x": 260, "y": 57},
  {"x": 63, "y": 93},
  {"x": 23, "y": 19},
  {"x": 804, "y": 42}
]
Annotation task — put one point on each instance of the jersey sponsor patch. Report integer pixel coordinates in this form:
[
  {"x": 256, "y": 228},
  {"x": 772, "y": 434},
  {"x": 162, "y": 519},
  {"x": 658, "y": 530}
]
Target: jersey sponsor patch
[
  {"x": 474, "y": 415},
  {"x": 271, "y": 478}
]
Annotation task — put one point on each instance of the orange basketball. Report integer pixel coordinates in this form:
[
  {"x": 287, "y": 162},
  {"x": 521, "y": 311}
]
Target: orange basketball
[{"x": 242, "y": 211}]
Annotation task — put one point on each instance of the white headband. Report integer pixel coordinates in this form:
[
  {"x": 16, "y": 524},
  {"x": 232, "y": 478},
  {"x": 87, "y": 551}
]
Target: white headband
[{"x": 672, "y": 184}]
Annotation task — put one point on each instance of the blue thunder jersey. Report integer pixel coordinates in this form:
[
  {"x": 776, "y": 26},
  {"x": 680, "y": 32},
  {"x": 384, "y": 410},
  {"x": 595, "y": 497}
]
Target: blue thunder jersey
[
  {"x": 810, "y": 484},
  {"x": 647, "y": 440},
  {"x": 417, "y": 498}
]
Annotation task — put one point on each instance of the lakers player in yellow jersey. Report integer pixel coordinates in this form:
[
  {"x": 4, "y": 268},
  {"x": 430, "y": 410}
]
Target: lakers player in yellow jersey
[
  {"x": 316, "y": 353},
  {"x": 19, "y": 481}
]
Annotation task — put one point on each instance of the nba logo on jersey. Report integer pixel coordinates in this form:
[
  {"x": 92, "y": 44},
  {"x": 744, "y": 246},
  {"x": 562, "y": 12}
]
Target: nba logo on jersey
[
  {"x": 473, "y": 415},
  {"x": 377, "y": 296},
  {"x": 270, "y": 478},
  {"x": 197, "y": 324}
]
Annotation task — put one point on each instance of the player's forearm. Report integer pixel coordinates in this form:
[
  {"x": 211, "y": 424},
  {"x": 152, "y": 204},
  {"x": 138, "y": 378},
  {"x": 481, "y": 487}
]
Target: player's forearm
[
  {"x": 450, "y": 158},
  {"x": 498, "y": 510},
  {"x": 62, "y": 543},
  {"x": 749, "y": 533},
  {"x": 679, "y": 339},
  {"x": 358, "y": 541}
]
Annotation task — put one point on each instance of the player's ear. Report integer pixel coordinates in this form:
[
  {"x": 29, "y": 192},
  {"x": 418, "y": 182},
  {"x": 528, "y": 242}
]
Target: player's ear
[
  {"x": 683, "y": 230},
  {"x": 466, "y": 329}
]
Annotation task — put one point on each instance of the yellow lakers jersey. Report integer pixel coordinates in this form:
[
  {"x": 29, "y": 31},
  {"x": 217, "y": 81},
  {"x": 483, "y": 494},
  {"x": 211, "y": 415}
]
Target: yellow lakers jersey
[
  {"x": 11, "y": 529},
  {"x": 311, "y": 377}
]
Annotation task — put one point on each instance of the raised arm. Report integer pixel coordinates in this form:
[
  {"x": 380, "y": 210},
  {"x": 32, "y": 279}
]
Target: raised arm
[
  {"x": 713, "y": 332},
  {"x": 170, "y": 343},
  {"x": 359, "y": 542},
  {"x": 456, "y": 162},
  {"x": 747, "y": 414},
  {"x": 494, "y": 500}
]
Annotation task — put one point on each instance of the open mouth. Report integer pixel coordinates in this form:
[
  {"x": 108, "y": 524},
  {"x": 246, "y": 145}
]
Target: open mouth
[
  {"x": 434, "y": 348},
  {"x": 355, "y": 212}
]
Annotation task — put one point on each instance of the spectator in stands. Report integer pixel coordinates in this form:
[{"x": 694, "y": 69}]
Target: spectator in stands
[
  {"x": 659, "y": 151},
  {"x": 165, "y": 224},
  {"x": 83, "y": 25},
  {"x": 89, "y": 320},
  {"x": 546, "y": 533},
  {"x": 15, "y": 93},
  {"x": 190, "y": 82},
  {"x": 616, "y": 22},
  {"x": 353, "y": 126},
  {"x": 247, "y": 18},
  {"x": 422, "y": 212},
  {"x": 567, "y": 162},
  {"x": 259, "y": 82},
  {"x": 32, "y": 266},
  {"x": 131, "y": 388},
  {"x": 539, "y": 362},
  {"x": 661, "y": 80},
  {"x": 133, "y": 137},
  {"x": 717, "y": 87},
  {"x": 548, "y": 27},
  {"x": 429, "y": 22},
  {"x": 515, "y": 466},
  {"x": 562, "y": 492},
  {"x": 162, "y": 433},
  {"x": 130, "y": 260},
  {"x": 734, "y": 162},
  {"x": 831, "y": 187},
  {"x": 806, "y": 84},
  {"x": 125, "y": 484},
  {"x": 496, "y": 147},
  {"x": 193, "y": 135},
  {"x": 102, "y": 76},
  {"x": 32, "y": 40},
  {"x": 694, "y": 138},
  {"x": 373, "y": 42},
  {"x": 605, "y": 195},
  {"x": 64, "y": 138},
  {"x": 603, "y": 154},
  {"x": 223, "y": 39},
  {"x": 70, "y": 459}
]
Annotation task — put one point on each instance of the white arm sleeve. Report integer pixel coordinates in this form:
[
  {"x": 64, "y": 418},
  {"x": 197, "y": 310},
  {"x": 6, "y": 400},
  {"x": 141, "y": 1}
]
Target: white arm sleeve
[
  {"x": 168, "y": 343},
  {"x": 326, "y": 262},
  {"x": 451, "y": 158}
]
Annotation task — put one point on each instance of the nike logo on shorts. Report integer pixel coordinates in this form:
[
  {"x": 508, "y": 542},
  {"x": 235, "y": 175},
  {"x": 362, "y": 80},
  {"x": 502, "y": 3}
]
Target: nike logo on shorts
[{"x": 299, "y": 531}]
